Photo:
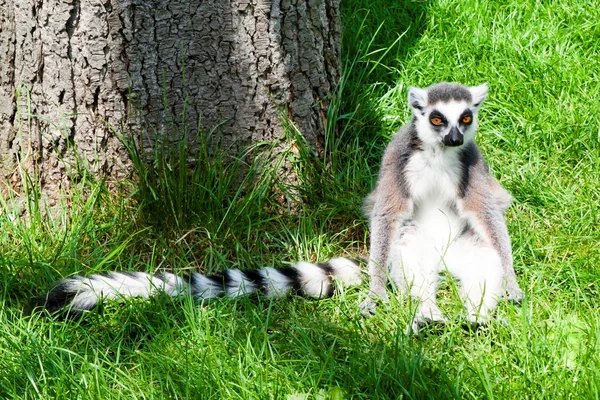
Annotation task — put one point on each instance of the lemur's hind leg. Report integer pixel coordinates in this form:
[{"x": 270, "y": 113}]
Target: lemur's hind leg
[
  {"x": 478, "y": 268},
  {"x": 414, "y": 269}
]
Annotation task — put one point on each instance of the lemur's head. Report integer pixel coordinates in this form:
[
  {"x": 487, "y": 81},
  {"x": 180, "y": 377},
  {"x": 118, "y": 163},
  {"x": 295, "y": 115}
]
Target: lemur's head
[{"x": 446, "y": 113}]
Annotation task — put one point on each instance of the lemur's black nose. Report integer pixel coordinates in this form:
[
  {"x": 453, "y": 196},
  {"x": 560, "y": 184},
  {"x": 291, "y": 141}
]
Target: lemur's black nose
[{"x": 454, "y": 138}]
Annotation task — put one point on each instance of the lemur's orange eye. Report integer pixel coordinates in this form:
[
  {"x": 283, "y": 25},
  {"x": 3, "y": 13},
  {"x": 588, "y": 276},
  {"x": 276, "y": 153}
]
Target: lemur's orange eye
[
  {"x": 467, "y": 119},
  {"x": 436, "y": 121}
]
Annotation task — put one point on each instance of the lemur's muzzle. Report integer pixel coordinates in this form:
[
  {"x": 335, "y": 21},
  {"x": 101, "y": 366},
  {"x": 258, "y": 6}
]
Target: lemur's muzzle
[{"x": 454, "y": 138}]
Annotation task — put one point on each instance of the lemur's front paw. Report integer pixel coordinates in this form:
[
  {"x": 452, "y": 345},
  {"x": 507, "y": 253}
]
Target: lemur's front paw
[
  {"x": 416, "y": 325},
  {"x": 368, "y": 307},
  {"x": 514, "y": 294}
]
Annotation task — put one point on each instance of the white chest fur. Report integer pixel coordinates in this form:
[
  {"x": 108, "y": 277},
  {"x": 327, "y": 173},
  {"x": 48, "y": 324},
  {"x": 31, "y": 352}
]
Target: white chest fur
[{"x": 433, "y": 178}]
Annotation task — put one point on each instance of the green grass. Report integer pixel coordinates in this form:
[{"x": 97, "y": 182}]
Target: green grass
[{"x": 540, "y": 134}]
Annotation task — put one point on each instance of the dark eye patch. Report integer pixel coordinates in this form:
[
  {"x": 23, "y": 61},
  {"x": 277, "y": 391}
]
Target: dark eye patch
[
  {"x": 437, "y": 119},
  {"x": 466, "y": 118}
]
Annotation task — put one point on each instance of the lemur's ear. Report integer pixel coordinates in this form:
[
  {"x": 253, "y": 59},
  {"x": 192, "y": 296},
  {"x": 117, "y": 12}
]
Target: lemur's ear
[
  {"x": 479, "y": 93},
  {"x": 417, "y": 99}
]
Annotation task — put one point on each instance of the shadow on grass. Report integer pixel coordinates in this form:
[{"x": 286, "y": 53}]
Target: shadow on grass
[
  {"x": 229, "y": 216},
  {"x": 248, "y": 342},
  {"x": 377, "y": 38},
  {"x": 223, "y": 193},
  {"x": 384, "y": 24}
]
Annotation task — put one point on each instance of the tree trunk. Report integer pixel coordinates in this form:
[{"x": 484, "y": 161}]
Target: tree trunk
[{"x": 71, "y": 69}]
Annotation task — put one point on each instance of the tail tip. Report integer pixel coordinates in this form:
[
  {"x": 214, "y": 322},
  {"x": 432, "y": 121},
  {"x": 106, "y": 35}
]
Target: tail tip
[{"x": 61, "y": 297}]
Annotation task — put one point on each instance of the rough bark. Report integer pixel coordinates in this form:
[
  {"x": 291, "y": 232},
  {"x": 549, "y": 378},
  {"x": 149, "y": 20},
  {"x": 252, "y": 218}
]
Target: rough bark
[{"x": 71, "y": 69}]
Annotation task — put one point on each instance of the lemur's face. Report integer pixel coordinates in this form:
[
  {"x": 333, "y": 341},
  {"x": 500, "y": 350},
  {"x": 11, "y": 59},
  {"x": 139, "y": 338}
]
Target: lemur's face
[
  {"x": 450, "y": 122},
  {"x": 446, "y": 114}
]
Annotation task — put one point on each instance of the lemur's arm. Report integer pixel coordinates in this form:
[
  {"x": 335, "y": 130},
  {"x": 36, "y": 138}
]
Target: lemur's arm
[
  {"x": 385, "y": 206},
  {"x": 487, "y": 203},
  {"x": 502, "y": 196}
]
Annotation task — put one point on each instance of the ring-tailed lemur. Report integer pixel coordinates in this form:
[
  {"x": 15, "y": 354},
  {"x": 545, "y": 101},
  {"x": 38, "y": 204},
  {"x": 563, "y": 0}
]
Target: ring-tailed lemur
[
  {"x": 436, "y": 207},
  {"x": 77, "y": 294}
]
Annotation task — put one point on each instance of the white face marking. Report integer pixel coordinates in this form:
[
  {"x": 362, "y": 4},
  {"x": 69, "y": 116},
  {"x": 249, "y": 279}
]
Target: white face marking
[{"x": 452, "y": 112}]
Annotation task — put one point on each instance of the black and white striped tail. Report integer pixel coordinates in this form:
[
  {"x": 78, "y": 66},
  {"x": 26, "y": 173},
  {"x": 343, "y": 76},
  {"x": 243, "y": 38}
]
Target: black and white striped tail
[{"x": 78, "y": 293}]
